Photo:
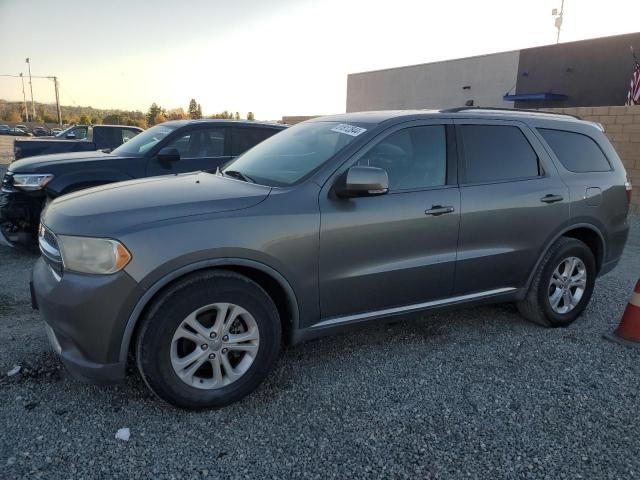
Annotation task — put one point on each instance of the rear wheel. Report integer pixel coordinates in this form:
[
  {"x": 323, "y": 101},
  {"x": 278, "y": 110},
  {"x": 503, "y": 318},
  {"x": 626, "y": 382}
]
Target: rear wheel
[
  {"x": 562, "y": 286},
  {"x": 209, "y": 340}
]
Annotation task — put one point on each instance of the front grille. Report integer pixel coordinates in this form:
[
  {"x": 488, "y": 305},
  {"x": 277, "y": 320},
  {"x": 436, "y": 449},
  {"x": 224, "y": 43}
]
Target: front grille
[{"x": 50, "y": 249}]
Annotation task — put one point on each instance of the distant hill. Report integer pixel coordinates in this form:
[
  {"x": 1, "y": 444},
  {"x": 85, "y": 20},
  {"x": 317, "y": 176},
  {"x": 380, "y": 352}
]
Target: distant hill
[{"x": 46, "y": 113}]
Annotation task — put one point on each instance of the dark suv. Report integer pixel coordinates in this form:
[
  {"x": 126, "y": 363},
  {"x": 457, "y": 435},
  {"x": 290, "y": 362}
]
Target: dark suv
[
  {"x": 331, "y": 223},
  {"x": 168, "y": 148}
]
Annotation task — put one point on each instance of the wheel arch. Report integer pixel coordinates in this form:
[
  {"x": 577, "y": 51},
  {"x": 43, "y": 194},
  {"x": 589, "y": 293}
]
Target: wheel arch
[
  {"x": 274, "y": 283},
  {"x": 588, "y": 233}
]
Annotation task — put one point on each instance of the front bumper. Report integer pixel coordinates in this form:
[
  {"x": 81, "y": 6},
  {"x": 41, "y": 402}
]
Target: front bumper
[
  {"x": 85, "y": 318},
  {"x": 20, "y": 216}
]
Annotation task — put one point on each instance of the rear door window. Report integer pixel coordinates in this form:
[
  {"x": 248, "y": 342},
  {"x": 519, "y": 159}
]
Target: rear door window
[
  {"x": 495, "y": 153},
  {"x": 245, "y": 138},
  {"x": 576, "y": 152}
]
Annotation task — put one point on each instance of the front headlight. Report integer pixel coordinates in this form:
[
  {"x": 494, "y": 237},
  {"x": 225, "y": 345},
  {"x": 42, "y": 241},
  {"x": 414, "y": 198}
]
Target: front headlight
[
  {"x": 31, "y": 181},
  {"x": 93, "y": 255}
]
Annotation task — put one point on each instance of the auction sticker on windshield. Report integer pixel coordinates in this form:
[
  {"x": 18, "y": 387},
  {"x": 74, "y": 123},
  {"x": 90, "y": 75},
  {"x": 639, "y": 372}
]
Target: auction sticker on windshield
[{"x": 348, "y": 129}]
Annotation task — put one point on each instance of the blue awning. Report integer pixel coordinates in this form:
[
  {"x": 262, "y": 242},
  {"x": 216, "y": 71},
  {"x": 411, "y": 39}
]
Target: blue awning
[{"x": 523, "y": 97}]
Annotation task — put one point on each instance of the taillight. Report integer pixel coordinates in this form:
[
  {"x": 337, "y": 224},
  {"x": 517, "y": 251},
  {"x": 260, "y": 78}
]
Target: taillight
[{"x": 629, "y": 188}]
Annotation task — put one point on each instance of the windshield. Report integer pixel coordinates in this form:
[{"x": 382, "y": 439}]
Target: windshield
[
  {"x": 143, "y": 142},
  {"x": 294, "y": 153},
  {"x": 65, "y": 131}
]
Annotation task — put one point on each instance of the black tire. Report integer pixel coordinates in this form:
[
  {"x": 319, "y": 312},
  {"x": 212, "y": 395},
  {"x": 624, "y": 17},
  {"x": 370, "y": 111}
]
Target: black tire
[
  {"x": 536, "y": 306},
  {"x": 153, "y": 342}
]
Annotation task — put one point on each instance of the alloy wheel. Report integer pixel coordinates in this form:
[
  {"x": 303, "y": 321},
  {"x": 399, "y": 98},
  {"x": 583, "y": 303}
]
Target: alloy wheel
[
  {"x": 567, "y": 285},
  {"x": 214, "y": 346}
]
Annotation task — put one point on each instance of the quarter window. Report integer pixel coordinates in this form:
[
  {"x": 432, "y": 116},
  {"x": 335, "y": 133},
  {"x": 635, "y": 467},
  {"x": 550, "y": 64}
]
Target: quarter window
[
  {"x": 201, "y": 143},
  {"x": 414, "y": 158},
  {"x": 577, "y": 152},
  {"x": 494, "y": 153}
]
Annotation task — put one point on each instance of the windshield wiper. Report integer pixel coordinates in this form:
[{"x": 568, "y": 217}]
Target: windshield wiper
[{"x": 238, "y": 175}]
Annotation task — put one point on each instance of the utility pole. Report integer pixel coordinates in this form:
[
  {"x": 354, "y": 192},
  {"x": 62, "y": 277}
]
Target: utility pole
[
  {"x": 24, "y": 100},
  {"x": 55, "y": 84},
  {"x": 33, "y": 105},
  {"x": 558, "y": 22}
]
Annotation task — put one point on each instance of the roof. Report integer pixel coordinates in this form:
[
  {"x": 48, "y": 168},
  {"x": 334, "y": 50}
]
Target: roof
[
  {"x": 250, "y": 123},
  {"x": 376, "y": 117}
]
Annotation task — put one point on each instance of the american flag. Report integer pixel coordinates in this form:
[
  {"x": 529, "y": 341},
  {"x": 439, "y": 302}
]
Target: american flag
[{"x": 633, "y": 97}]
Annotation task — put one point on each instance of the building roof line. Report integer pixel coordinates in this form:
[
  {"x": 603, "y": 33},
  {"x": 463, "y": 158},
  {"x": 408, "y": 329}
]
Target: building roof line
[{"x": 548, "y": 45}]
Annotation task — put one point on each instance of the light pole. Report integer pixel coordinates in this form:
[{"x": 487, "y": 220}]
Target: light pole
[
  {"x": 55, "y": 85},
  {"x": 24, "y": 99},
  {"x": 558, "y": 22},
  {"x": 33, "y": 105}
]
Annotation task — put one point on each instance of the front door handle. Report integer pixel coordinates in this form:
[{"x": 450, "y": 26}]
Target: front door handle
[
  {"x": 437, "y": 210},
  {"x": 551, "y": 198}
]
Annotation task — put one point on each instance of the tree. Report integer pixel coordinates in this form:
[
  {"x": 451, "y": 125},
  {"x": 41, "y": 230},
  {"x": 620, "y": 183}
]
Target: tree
[
  {"x": 250, "y": 116},
  {"x": 12, "y": 116},
  {"x": 159, "y": 118},
  {"x": 113, "y": 119},
  {"x": 176, "y": 114},
  {"x": 155, "y": 111},
  {"x": 237, "y": 116},
  {"x": 96, "y": 120},
  {"x": 84, "y": 119},
  {"x": 195, "y": 110}
]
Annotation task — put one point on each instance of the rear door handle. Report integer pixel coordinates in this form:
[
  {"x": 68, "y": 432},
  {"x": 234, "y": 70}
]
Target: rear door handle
[
  {"x": 551, "y": 198},
  {"x": 437, "y": 210}
]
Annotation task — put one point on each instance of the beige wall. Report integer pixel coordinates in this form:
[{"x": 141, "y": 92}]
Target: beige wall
[
  {"x": 622, "y": 126},
  {"x": 293, "y": 119},
  {"x": 436, "y": 85}
]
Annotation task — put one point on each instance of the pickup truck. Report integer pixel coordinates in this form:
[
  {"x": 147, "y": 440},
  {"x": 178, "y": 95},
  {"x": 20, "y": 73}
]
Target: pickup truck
[
  {"x": 79, "y": 138},
  {"x": 166, "y": 149}
]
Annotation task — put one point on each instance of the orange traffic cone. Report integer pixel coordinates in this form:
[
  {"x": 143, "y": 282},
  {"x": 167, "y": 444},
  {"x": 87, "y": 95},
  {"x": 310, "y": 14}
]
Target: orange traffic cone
[{"x": 628, "y": 331}]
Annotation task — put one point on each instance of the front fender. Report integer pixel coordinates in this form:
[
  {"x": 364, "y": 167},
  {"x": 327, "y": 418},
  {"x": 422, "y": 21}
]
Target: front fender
[{"x": 152, "y": 290}]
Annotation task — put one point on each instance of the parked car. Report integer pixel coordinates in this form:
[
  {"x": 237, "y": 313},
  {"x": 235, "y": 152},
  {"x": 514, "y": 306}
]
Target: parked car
[
  {"x": 40, "y": 132},
  {"x": 169, "y": 148},
  {"x": 23, "y": 127},
  {"x": 55, "y": 131},
  {"x": 79, "y": 138},
  {"x": 19, "y": 132},
  {"x": 334, "y": 222},
  {"x": 4, "y": 129}
]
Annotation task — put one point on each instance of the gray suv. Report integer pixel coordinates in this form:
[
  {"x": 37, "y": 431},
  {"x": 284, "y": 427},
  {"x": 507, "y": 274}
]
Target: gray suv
[{"x": 339, "y": 220}]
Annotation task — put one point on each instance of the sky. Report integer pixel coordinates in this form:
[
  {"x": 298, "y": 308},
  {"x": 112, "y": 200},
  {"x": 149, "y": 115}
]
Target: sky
[{"x": 272, "y": 57}]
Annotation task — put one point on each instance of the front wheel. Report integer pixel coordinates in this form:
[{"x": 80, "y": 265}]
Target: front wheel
[
  {"x": 562, "y": 286},
  {"x": 209, "y": 340}
]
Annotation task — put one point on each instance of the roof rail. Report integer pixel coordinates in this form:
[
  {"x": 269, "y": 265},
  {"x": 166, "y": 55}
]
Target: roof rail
[{"x": 499, "y": 109}]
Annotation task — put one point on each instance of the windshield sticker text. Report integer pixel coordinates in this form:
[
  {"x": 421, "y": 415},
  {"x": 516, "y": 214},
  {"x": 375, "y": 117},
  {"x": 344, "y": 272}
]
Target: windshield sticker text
[{"x": 348, "y": 129}]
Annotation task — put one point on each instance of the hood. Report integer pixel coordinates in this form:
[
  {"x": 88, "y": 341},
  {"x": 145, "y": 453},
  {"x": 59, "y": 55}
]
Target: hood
[
  {"x": 110, "y": 209},
  {"x": 31, "y": 164}
]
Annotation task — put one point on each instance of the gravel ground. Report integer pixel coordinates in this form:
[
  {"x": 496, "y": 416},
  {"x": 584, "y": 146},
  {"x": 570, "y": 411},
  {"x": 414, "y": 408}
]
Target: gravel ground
[
  {"x": 472, "y": 393},
  {"x": 6, "y": 150}
]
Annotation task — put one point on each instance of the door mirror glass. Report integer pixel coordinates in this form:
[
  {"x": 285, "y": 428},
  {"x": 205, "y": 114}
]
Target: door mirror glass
[
  {"x": 169, "y": 154},
  {"x": 360, "y": 181}
]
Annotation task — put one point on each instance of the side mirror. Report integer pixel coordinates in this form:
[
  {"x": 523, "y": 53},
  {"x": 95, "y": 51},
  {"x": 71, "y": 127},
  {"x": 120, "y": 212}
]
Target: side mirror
[
  {"x": 169, "y": 154},
  {"x": 70, "y": 136},
  {"x": 362, "y": 181}
]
